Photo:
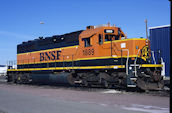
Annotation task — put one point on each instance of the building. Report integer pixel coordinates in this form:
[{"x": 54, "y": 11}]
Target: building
[
  {"x": 3, "y": 70},
  {"x": 160, "y": 44}
]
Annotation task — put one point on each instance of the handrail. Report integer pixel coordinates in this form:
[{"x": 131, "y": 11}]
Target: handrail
[
  {"x": 12, "y": 64},
  {"x": 135, "y": 63},
  {"x": 127, "y": 60},
  {"x": 63, "y": 63},
  {"x": 72, "y": 61},
  {"x": 153, "y": 56}
]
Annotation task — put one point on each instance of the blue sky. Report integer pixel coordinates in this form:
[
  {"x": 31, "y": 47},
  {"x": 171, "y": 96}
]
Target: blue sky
[{"x": 20, "y": 19}]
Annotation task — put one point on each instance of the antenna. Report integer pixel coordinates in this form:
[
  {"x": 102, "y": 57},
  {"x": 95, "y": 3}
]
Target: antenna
[
  {"x": 125, "y": 34},
  {"x": 108, "y": 23}
]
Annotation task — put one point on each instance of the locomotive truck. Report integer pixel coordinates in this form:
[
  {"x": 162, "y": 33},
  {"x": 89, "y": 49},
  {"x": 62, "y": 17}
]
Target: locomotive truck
[{"x": 99, "y": 55}]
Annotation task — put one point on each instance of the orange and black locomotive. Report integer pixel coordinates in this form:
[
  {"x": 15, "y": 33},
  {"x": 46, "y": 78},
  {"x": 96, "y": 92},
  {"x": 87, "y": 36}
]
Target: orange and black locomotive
[{"x": 99, "y": 55}]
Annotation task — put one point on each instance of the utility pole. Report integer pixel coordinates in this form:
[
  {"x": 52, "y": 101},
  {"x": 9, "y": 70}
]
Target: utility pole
[{"x": 146, "y": 29}]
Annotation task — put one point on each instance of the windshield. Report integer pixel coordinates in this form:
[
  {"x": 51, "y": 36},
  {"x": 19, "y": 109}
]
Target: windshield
[{"x": 111, "y": 37}]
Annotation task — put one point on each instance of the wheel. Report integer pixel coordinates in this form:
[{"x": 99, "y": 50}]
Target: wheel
[
  {"x": 105, "y": 83},
  {"x": 85, "y": 83},
  {"x": 18, "y": 79}
]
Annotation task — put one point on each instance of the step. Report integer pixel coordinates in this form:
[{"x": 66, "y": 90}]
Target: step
[
  {"x": 131, "y": 85},
  {"x": 78, "y": 82},
  {"x": 133, "y": 79}
]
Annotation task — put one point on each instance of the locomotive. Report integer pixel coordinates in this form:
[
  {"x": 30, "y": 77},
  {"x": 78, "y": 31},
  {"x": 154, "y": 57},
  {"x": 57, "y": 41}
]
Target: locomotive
[{"x": 99, "y": 55}]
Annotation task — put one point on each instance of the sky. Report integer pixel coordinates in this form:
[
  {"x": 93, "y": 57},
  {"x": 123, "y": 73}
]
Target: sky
[{"x": 20, "y": 19}]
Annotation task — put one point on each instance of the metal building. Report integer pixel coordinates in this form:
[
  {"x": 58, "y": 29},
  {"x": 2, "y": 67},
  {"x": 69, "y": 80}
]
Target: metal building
[{"x": 160, "y": 44}]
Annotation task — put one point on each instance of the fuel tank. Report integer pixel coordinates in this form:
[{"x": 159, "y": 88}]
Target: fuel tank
[{"x": 57, "y": 78}]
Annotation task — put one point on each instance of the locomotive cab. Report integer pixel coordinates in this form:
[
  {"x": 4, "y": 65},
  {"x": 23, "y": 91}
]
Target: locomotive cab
[{"x": 94, "y": 39}]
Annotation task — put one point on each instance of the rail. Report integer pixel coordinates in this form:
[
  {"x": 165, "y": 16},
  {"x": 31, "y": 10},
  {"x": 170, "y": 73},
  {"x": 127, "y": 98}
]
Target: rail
[
  {"x": 153, "y": 56},
  {"x": 135, "y": 61},
  {"x": 12, "y": 64},
  {"x": 127, "y": 59},
  {"x": 69, "y": 64},
  {"x": 31, "y": 63}
]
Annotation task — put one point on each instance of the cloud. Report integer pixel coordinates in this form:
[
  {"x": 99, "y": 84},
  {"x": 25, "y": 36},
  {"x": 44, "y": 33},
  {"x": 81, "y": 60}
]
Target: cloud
[{"x": 16, "y": 35}]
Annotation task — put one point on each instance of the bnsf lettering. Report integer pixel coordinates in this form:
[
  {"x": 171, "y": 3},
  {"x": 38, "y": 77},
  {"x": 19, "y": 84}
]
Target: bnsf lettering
[
  {"x": 52, "y": 55},
  {"x": 88, "y": 52}
]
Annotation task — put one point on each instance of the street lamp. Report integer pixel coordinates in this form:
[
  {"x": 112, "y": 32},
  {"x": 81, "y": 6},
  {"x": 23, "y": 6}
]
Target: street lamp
[{"x": 41, "y": 22}]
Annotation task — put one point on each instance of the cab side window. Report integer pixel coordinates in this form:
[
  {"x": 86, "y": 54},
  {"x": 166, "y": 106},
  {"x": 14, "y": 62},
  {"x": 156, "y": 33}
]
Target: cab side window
[
  {"x": 107, "y": 38},
  {"x": 117, "y": 37},
  {"x": 100, "y": 39},
  {"x": 87, "y": 42},
  {"x": 111, "y": 37}
]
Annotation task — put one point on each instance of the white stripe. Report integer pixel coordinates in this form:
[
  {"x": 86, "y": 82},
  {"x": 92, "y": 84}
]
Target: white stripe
[{"x": 159, "y": 26}]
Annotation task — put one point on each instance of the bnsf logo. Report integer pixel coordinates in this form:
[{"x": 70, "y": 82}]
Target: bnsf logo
[{"x": 51, "y": 55}]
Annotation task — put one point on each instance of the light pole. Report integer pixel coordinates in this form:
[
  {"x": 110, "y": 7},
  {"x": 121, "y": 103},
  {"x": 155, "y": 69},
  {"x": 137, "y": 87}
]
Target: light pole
[
  {"x": 41, "y": 30},
  {"x": 41, "y": 22}
]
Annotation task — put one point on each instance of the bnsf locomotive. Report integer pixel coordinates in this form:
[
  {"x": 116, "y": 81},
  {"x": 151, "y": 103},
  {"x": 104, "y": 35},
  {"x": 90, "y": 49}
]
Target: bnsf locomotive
[{"x": 99, "y": 55}]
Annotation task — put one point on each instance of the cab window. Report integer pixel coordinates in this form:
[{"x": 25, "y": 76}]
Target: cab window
[
  {"x": 111, "y": 37},
  {"x": 87, "y": 42},
  {"x": 117, "y": 37},
  {"x": 100, "y": 39},
  {"x": 107, "y": 38}
]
